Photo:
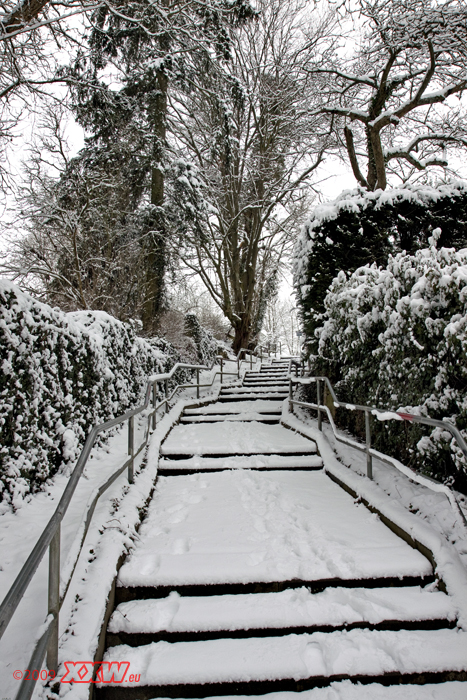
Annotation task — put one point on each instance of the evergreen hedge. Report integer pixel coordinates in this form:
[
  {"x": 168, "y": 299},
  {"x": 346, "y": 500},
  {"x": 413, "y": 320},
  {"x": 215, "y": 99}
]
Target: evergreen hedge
[
  {"x": 396, "y": 337},
  {"x": 205, "y": 343},
  {"x": 361, "y": 228},
  {"x": 61, "y": 374}
]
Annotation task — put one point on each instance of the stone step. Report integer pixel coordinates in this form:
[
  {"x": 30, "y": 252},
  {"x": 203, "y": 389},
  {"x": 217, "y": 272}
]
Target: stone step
[
  {"x": 245, "y": 390},
  {"x": 191, "y": 618},
  {"x": 262, "y": 406},
  {"x": 265, "y": 382},
  {"x": 245, "y": 417},
  {"x": 270, "y": 396},
  {"x": 125, "y": 593},
  {"x": 257, "y": 462},
  {"x": 291, "y": 662},
  {"x": 235, "y": 438}
]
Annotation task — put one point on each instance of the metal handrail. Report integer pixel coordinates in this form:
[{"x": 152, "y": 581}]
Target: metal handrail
[
  {"x": 50, "y": 537},
  {"x": 382, "y": 415}
]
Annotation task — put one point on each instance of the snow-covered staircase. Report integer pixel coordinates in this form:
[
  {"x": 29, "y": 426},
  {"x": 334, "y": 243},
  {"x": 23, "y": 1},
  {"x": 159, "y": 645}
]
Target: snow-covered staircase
[{"x": 255, "y": 573}]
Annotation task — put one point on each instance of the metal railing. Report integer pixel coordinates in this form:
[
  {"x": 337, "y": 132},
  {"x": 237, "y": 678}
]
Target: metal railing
[
  {"x": 47, "y": 643},
  {"x": 382, "y": 415}
]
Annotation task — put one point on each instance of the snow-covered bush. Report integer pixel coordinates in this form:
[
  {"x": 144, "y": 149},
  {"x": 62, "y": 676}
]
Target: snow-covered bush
[
  {"x": 360, "y": 228},
  {"x": 205, "y": 343},
  {"x": 62, "y": 374},
  {"x": 396, "y": 337}
]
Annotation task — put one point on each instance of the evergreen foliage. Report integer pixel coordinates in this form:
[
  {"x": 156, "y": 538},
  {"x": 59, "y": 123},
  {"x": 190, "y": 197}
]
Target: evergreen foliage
[
  {"x": 396, "y": 337},
  {"x": 205, "y": 343},
  {"x": 61, "y": 375},
  {"x": 151, "y": 46},
  {"x": 361, "y": 228}
]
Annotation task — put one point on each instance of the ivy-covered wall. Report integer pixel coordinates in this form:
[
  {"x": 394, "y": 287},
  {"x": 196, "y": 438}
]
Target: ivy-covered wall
[
  {"x": 360, "y": 228},
  {"x": 62, "y": 374}
]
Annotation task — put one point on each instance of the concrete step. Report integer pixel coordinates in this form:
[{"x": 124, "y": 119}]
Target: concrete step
[
  {"x": 257, "y": 462},
  {"x": 292, "y": 662},
  {"x": 264, "y": 391},
  {"x": 262, "y": 406},
  {"x": 245, "y": 417},
  {"x": 192, "y": 618},
  {"x": 269, "y": 396}
]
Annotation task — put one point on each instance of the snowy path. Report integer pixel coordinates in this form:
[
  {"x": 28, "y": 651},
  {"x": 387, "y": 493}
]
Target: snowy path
[
  {"x": 253, "y": 571},
  {"x": 245, "y": 526}
]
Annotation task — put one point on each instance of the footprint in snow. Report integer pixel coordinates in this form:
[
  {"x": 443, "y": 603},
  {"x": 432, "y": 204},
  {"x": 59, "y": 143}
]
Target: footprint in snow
[{"x": 182, "y": 545}]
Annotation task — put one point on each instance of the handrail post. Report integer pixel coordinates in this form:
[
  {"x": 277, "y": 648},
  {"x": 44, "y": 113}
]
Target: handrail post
[
  {"x": 290, "y": 396},
  {"x": 318, "y": 401},
  {"x": 222, "y": 369},
  {"x": 251, "y": 360},
  {"x": 54, "y": 600},
  {"x": 131, "y": 448},
  {"x": 238, "y": 366},
  {"x": 154, "y": 401},
  {"x": 369, "y": 459},
  {"x": 166, "y": 395},
  {"x": 197, "y": 383}
]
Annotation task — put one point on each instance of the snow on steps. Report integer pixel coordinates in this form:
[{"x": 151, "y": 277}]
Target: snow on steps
[
  {"x": 190, "y": 618},
  {"x": 260, "y": 389},
  {"x": 236, "y": 407},
  {"x": 252, "y": 395},
  {"x": 289, "y": 662},
  {"x": 222, "y": 538},
  {"x": 346, "y": 690},
  {"x": 248, "y": 527},
  {"x": 260, "y": 462},
  {"x": 245, "y": 417},
  {"x": 235, "y": 439}
]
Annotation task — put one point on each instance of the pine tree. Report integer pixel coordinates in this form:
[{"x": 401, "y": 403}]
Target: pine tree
[{"x": 151, "y": 46}]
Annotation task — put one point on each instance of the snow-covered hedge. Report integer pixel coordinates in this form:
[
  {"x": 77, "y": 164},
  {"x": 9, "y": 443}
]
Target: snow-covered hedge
[
  {"x": 396, "y": 337},
  {"x": 205, "y": 343},
  {"x": 62, "y": 374},
  {"x": 360, "y": 228}
]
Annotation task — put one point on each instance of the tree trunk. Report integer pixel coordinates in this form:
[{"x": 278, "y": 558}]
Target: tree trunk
[
  {"x": 378, "y": 155},
  {"x": 155, "y": 259},
  {"x": 242, "y": 334},
  {"x": 372, "y": 176}
]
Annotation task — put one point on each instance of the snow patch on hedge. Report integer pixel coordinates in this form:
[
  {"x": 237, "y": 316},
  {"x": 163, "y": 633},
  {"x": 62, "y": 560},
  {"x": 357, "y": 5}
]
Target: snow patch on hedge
[
  {"x": 398, "y": 335},
  {"x": 62, "y": 374}
]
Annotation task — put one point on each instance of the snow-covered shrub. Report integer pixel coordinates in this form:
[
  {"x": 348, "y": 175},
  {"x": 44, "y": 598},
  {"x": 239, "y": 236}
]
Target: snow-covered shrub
[
  {"x": 396, "y": 337},
  {"x": 61, "y": 374},
  {"x": 206, "y": 344},
  {"x": 360, "y": 228}
]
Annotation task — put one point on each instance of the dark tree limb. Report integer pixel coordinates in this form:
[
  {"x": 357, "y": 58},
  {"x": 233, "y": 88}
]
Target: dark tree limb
[{"x": 349, "y": 142}]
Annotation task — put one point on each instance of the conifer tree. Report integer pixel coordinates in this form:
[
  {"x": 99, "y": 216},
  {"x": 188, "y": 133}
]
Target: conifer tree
[{"x": 149, "y": 46}]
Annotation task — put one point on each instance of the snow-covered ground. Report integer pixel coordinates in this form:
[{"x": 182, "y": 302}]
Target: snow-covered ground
[{"x": 434, "y": 508}]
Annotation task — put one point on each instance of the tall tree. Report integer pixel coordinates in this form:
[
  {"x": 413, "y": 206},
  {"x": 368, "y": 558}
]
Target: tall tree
[
  {"x": 388, "y": 98},
  {"x": 82, "y": 247},
  {"x": 148, "y": 46},
  {"x": 250, "y": 133}
]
